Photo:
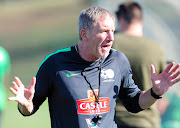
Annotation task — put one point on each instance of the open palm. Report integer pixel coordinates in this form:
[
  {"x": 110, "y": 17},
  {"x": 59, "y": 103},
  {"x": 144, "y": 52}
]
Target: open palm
[
  {"x": 22, "y": 94},
  {"x": 164, "y": 81}
]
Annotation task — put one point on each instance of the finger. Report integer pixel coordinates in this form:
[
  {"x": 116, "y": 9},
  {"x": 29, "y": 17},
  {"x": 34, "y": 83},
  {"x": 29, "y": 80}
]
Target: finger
[
  {"x": 152, "y": 69},
  {"x": 175, "y": 75},
  {"x": 12, "y": 99},
  {"x": 153, "y": 72},
  {"x": 15, "y": 85},
  {"x": 13, "y": 90},
  {"x": 33, "y": 82},
  {"x": 18, "y": 81},
  {"x": 175, "y": 69},
  {"x": 175, "y": 81},
  {"x": 167, "y": 69}
]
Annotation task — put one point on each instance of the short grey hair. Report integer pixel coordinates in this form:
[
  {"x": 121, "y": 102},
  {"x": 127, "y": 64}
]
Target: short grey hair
[{"x": 88, "y": 17}]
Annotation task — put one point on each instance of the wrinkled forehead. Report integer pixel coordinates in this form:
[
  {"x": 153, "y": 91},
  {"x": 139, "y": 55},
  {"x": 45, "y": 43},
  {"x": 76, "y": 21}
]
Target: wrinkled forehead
[{"x": 107, "y": 21}]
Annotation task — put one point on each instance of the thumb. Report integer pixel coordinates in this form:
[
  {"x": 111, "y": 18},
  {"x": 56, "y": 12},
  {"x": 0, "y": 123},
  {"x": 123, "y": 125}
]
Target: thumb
[
  {"x": 153, "y": 72},
  {"x": 32, "y": 84}
]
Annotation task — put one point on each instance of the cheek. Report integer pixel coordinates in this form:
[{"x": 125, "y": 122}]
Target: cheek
[
  {"x": 95, "y": 41},
  {"x": 101, "y": 38}
]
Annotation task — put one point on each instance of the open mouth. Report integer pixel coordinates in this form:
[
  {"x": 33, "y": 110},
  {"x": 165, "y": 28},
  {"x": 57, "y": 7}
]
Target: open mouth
[{"x": 106, "y": 47}]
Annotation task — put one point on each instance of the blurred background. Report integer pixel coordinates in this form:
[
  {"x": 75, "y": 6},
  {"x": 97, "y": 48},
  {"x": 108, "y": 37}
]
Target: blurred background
[{"x": 32, "y": 29}]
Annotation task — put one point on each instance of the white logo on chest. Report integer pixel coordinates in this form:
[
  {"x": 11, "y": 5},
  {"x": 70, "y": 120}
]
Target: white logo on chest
[{"x": 107, "y": 74}]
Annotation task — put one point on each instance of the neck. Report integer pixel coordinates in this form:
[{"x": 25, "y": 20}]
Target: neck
[
  {"x": 134, "y": 29},
  {"x": 84, "y": 53}
]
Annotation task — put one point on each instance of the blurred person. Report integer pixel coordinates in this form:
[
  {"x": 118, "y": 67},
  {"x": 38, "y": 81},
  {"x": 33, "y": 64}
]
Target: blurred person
[
  {"x": 169, "y": 109},
  {"x": 5, "y": 67},
  {"x": 82, "y": 82},
  {"x": 141, "y": 53}
]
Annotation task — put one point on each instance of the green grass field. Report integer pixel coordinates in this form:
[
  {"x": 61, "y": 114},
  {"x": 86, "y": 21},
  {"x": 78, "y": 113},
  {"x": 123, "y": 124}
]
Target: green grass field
[{"x": 29, "y": 31}]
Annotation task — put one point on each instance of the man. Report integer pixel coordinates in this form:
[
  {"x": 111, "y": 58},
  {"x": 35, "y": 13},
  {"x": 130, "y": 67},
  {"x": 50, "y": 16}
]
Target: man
[
  {"x": 5, "y": 67},
  {"x": 82, "y": 82},
  {"x": 141, "y": 53}
]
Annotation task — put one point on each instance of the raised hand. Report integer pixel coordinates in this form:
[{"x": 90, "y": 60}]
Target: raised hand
[
  {"x": 22, "y": 94},
  {"x": 164, "y": 81}
]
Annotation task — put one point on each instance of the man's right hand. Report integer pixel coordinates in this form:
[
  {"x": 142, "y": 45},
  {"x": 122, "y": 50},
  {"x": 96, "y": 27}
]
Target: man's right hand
[{"x": 23, "y": 95}]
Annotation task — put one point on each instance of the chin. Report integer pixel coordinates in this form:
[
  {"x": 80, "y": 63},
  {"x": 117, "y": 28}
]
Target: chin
[{"x": 105, "y": 55}]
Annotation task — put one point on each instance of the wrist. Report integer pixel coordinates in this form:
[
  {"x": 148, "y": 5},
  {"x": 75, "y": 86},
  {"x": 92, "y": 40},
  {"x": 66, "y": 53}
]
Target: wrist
[
  {"x": 26, "y": 109},
  {"x": 154, "y": 95}
]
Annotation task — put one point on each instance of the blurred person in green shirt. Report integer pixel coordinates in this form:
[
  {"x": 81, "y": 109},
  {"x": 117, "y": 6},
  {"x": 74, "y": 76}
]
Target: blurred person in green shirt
[
  {"x": 5, "y": 68},
  {"x": 169, "y": 109},
  {"x": 141, "y": 53}
]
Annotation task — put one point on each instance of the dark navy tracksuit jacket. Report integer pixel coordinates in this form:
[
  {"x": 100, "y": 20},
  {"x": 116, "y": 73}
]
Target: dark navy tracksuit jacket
[{"x": 70, "y": 83}]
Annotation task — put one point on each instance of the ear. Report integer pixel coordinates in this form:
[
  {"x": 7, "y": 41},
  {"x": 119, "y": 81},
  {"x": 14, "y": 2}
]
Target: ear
[{"x": 83, "y": 34}]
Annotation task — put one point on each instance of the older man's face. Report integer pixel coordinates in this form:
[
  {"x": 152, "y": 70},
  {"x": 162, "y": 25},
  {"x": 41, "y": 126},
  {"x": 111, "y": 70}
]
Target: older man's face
[{"x": 101, "y": 37}]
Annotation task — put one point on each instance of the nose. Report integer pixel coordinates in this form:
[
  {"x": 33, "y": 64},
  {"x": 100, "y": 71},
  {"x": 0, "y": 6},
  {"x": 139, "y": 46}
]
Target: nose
[{"x": 110, "y": 36}]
